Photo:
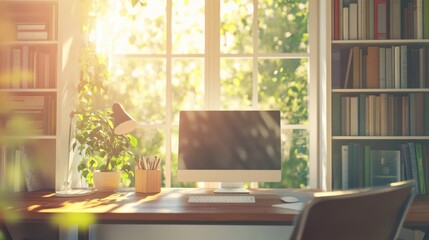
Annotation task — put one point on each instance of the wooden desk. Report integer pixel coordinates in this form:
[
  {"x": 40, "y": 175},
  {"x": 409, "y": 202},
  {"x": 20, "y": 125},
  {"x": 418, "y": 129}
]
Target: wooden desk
[
  {"x": 168, "y": 207},
  {"x": 171, "y": 207}
]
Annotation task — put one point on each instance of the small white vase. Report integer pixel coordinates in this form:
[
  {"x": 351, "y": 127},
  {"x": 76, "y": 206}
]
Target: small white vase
[{"x": 107, "y": 181}]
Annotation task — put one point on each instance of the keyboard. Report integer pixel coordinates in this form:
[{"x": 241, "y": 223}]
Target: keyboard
[{"x": 221, "y": 199}]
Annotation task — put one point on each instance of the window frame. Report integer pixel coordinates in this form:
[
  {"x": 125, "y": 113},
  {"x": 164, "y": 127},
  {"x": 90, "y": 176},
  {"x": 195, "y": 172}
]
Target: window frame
[{"x": 212, "y": 57}]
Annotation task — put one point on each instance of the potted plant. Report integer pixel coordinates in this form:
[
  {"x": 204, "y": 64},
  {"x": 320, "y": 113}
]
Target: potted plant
[
  {"x": 106, "y": 156},
  {"x": 101, "y": 149}
]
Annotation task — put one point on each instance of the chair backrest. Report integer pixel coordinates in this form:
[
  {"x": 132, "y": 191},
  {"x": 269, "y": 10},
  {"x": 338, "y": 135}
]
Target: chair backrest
[{"x": 371, "y": 213}]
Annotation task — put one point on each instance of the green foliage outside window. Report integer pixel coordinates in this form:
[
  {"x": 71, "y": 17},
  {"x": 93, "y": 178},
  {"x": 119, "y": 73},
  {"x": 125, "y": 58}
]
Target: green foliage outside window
[{"x": 141, "y": 85}]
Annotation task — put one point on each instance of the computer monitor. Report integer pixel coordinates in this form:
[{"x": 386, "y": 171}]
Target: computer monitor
[{"x": 230, "y": 147}]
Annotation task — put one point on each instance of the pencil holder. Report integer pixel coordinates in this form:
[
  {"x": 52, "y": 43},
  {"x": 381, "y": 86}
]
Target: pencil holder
[{"x": 148, "y": 181}]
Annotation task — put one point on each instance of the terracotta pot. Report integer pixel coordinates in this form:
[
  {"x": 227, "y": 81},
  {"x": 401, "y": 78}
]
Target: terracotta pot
[{"x": 107, "y": 181}]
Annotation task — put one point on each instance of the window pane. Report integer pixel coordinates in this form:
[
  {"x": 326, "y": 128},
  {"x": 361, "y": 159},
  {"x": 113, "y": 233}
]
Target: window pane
[
  {"x": 236, "y": 84},
  {"x": 174, "y": 161},
  {"x": 236, "y": 29},
  {"x": 294, "y": 160},
  {"x": 139, "y": 85},
  {"x": 283, "y": 26},
  {"x": 188, "y": 26},
  {"x": 283, "y": 85},
  {"x": 127, "y": 29},
  {"x": 187, "y": 85}
]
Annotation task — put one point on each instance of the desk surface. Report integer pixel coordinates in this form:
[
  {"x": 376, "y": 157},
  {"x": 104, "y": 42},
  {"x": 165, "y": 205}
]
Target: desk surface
[{"x": 169, "y": 206}]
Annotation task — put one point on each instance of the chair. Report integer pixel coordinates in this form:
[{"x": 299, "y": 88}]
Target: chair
[{"x": 372, "y": 213}]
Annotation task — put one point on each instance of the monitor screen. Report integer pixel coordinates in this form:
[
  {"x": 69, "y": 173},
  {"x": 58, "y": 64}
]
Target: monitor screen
[{"x": 229, "y": 146}]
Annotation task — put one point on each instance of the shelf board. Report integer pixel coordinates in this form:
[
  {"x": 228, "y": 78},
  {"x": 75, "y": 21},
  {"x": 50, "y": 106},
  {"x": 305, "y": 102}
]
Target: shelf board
[
  {"x": 30, "y": 42},
  {"x": 380, "y": 42},
  {"x": 28, "y": 90},
  {"x": 378, "y": 90},
  {"x": 380, "y": 138},
  {"x": 35, "y": 137}
]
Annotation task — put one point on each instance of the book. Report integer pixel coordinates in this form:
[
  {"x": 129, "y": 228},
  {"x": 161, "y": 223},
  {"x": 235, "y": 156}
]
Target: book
[
  {"x": 354, "y": 168},
  {"x": 30, "y": 26},
  {"x": 3, "y": 167},
  {"x": 16, "y": 67},
  {"x": 336, "y": 61},
  {"x": 372, "y": 68},
  {"x": 420, "y": 169},
  {"x": 356, "y": 67},
  {"x": 371, "y": 19},
  {"x": 413, "y": 161},
  {"x": 353, "y": 21},
  {"x": 419, "y": 117},
  {"x": 426, "y": 20},
  {"x": 419, "y": 19},
  {"x": 385, "y": 167},
  {"x": 426, "y": 113},
  {"x": 384, "y": 114},
  {"x": 389, "y": 68},
  {"x": 354, "y": 116},
  {"x": 348, "y": 70},
  {"x": 345, "y": 116},
  {"x": 33, "y": 181},
  {"x": 345, "y": 23},
  {"x": 396, "y": 66},
  {"x": 377, "y": 116},
  {"x": 17, "y": 171},
  {"x": 395, "y": 19},
  {"x": 404, "y": 66},
  {"x": 413, "y": 114},
  {"x": 32, "y": 35},
  {"x": 345, "y": 167},
  {"x": 405, "y": 154},
  {"x": 336, "y": 114},
  {"x": 362, "y": 114},
  {"x": 382, "y": 67},
  {"x": 367, "y": 162},
  {"x": 380, "y": 19}
]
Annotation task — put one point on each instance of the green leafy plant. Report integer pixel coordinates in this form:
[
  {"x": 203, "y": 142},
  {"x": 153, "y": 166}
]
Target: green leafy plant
[{"x": 101, "y": 149}]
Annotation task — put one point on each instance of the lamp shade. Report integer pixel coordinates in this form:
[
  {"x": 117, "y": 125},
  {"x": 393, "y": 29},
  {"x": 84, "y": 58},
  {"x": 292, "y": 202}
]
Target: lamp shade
[{"x": 123, "y": 122}]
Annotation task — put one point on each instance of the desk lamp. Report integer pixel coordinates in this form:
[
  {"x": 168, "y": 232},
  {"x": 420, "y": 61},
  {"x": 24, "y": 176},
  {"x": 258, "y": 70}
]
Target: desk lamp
[{"x": 123, "y": 124}]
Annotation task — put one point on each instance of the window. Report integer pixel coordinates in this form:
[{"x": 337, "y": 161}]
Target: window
[{"x": 165, "y": 56}]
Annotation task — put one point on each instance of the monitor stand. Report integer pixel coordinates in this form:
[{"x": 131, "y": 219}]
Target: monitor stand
[{"x": 231, "y": 187}]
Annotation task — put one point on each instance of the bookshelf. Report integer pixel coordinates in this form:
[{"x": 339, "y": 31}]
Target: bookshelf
[
  {"x": 377, "y": 92},
  {"x": 29, "y": 53}
]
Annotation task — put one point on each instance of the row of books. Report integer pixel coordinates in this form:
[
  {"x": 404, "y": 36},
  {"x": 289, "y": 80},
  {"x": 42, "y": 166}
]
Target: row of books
[
  {"x": 29, "y": 115},
  {"x": 28, "y": 67},
  {"x": 380, "y": 19},
  {"x": 366, "y": 166},
  {"x": 381, "y": 114},
  {"x": 381, "y": 67},
  {"x": 17, "y": 171}
]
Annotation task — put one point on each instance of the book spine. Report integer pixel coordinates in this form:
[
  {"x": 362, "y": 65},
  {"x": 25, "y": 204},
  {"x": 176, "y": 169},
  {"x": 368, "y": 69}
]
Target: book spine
[
  {"x": 426, "y": 113},
  {"x": 367, "y": 166},
  {"x": 404, "y": 66},
  {"x": 420, "y": 169},
  {"x": 345, "y": 166},
  {"x": 419, "y": 19},
  {"x": 353, "y": 21},
  {"x": 31, "y": 35},
  {"x": 413, "y": 160},
  {"x": 345, "y": 23},
  {"x": 362, "y": 114},
  {"x": 426, "y": 20}
]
